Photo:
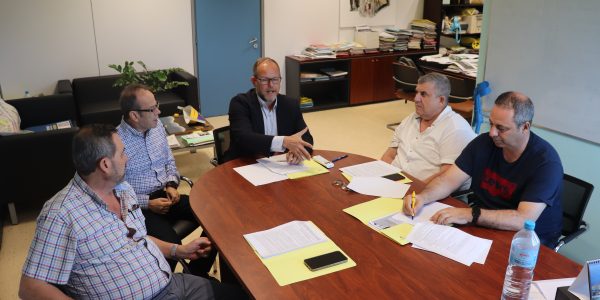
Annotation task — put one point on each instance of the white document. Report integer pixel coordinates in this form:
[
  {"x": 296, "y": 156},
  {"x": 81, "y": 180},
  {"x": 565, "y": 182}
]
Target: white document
[
  {"x": 285, "y": 238},
  {"x": 378, "y": 186},
  {"x": 257, "y": 174},
  {"x": 173, "y": 142},
  {"x": 546, "y": 289},
  {"x": 449, "y": 242},
  {"x": 375, "y": 168},
  {"x": 397, "y": 218},
  {"x": 278, "y": 164}
]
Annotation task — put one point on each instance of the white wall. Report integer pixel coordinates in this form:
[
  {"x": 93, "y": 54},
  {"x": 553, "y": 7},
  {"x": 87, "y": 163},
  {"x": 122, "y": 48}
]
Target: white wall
[
  {"x": 290, "y": 26},
  {"x": 44, "y": 41}
]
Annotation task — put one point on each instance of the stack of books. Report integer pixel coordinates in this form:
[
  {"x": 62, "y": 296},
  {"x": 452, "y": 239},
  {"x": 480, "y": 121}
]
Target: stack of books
[
  {"x": 198, "y": 138},
  {"x": 333, "y": 73},
  {"x": 306, "y": 102},
  {"x": 402, "y": 36},
  {"x": 386, "y": 41},
  {"x": 319, "y": 51},
  {"x": 427, "y": 27},
  {"x": 312, "y": 76}
]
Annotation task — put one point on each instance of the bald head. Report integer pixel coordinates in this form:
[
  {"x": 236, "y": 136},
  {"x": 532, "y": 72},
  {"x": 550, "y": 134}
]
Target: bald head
[{"x": 519, "y": 103}]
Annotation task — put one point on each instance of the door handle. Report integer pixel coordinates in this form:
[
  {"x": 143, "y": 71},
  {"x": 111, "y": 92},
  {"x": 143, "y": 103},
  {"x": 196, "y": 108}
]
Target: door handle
[{"x": 253, "y": 43}]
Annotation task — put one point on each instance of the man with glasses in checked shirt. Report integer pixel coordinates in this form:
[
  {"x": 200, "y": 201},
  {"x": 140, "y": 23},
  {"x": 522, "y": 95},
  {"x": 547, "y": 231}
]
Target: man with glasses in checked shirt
[
  {"x": 91, "y": 241},
  {"x": 264, "y": 122},
  {"x": 151, "y": 170}
]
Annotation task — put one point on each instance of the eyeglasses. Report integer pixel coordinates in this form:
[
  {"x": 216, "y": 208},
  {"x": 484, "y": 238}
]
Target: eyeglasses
[
  {"x": 265, "y": 81},
  {"x": 151, "y": 109},
  {"x": 341, "y": 184}
]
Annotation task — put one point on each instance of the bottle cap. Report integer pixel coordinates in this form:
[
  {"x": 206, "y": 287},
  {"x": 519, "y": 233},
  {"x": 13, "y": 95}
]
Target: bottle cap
[{"x": 529, "y": 224}]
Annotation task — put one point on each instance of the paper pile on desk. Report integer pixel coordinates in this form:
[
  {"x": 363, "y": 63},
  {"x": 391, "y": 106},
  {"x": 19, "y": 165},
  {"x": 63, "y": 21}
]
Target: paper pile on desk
[
  {"x": 198, "y": 138},
  {"x": 278, "y": 164},
  {"x": 450, "y": 242},
  {"x": 285, "y": 238}
]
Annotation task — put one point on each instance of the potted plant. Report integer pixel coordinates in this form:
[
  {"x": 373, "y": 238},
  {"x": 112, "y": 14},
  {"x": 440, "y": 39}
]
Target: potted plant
[{"x": 157, "y": 81}]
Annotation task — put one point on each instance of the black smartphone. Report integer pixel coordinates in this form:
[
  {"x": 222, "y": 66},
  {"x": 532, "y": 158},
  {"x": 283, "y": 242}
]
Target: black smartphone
[
  {"x": 394, "y": 177},
  {"x": 326, "y": 260}
]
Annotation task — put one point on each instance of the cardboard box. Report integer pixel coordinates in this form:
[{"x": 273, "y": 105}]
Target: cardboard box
[{"x": 369, "y": 39}]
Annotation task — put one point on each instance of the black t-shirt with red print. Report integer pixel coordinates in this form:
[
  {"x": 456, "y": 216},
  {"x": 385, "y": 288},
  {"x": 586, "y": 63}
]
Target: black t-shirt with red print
[{"x": 535, "y": 177}]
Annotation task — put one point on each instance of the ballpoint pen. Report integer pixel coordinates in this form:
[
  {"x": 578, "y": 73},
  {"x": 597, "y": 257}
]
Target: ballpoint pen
[
  {"x": 412, "y": 205},
  {"x": 339, "y": 157}
]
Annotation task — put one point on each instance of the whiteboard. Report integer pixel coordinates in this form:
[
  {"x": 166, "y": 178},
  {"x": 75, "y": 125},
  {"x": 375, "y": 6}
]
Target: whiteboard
[{"x": 550, "y": 51}]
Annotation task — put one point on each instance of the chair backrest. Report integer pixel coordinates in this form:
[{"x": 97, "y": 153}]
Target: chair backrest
[
  {"x": 575, "y": 196},
  {"x": 460, "y": 89},
  {"x": 222, "y": 140},
  {"x": 405, "y": 77}
]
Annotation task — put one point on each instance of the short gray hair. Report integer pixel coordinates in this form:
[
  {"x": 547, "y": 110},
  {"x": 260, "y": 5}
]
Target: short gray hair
[
  {"x": 521, "y": 104},
  {"x": 441, "y": 84},
  {"x": 90, "y": 144}
]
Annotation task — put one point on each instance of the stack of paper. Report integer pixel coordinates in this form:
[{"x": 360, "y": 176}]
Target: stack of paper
[
  {"x": 284, "y": 248},
  {"x": 274, "y": 169},
  {"x": 378, "y": 186},
  {"x": 198, "y": 138},
  {"x": 173, "y": 142},
  {"x": 375, "y": 168},
  {"x": 450, "y": 242},
  {"x": 278, "y": 164}
]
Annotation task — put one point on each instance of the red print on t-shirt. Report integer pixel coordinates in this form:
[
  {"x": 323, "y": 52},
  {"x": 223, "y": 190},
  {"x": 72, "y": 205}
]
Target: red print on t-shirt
[{"x": 496, "y": 185}]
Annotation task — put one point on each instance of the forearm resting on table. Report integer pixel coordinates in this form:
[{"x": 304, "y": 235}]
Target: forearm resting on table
[
  {"x": 511, "y": 219},
  {"x": 31, "y": 288}
]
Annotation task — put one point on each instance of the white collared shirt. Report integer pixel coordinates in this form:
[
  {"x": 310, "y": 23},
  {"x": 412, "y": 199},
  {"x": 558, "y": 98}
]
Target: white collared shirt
[
  {"x": 422, "y": 154},
  {"x": 270, "y": 123}
]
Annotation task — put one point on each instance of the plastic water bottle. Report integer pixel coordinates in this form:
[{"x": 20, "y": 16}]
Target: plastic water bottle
[{"x": 524, "y": 251}]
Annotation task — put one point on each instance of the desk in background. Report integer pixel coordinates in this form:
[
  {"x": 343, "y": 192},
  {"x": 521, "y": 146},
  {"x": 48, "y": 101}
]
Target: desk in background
[{"x": 228, "y": 206}]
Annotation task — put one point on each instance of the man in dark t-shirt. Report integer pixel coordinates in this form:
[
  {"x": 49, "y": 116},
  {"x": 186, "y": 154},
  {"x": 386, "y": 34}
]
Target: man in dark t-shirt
[{"x": 516, "y": 175}]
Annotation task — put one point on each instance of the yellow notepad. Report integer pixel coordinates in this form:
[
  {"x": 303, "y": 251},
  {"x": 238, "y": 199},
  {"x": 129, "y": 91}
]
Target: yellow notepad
[
  {"x": 376, "y": 208},
  {"x": 289, "y": 267},
  {"x": 313, "y": 169}
]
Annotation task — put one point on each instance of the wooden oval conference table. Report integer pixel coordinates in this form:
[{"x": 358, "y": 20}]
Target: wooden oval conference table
[{"x": 228, "y": 206}]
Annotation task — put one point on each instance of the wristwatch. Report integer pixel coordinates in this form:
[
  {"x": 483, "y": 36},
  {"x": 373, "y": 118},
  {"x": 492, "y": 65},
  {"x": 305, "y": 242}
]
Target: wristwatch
[
  {"x": 172, "y": 184},
  {"x": 475, "y": 212},
  {"x": 173, "y": 251}
]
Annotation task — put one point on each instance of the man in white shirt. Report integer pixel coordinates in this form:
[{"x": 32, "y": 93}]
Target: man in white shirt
[{"x": 429, "y": 140}]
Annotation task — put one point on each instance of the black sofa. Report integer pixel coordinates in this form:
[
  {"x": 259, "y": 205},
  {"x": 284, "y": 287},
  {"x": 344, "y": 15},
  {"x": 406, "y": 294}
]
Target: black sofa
[
  {"x": 37, "y": 165},
  {"x": 97, "y": 100}
]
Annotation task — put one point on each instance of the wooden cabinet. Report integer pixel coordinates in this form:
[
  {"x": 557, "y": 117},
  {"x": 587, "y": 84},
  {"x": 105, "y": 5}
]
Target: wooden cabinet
[{"x": 369, "y": 79}]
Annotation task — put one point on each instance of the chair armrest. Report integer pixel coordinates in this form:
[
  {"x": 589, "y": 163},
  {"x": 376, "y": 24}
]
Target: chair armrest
[
  {"x": 188, "y": 180},
  {"x": 64, "y": 87},
  {"x": 190, "y": 92},
  {"x": 566, "y": 239}
]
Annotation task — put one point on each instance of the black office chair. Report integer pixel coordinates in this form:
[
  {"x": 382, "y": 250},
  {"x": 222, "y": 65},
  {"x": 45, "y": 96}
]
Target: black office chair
[
  {"x": 222, "y": 141},
  {"x": 575, "y": 196},
  {"x": 460, "y": 89},
  {"x": 405, "y": 77}
]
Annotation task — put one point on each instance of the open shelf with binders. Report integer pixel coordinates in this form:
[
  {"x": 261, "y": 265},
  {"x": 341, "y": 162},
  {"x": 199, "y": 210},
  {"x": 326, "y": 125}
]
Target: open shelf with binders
[{"x": 361, "y": 79}]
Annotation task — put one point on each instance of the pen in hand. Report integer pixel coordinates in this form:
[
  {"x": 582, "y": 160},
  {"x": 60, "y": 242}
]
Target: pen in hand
[
  {"x": 412, "y": 205},
  {"x": 339, "y": 157}
]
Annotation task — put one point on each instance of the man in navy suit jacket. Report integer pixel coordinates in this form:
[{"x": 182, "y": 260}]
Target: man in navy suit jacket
[{"x": 264, "y": 122}]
